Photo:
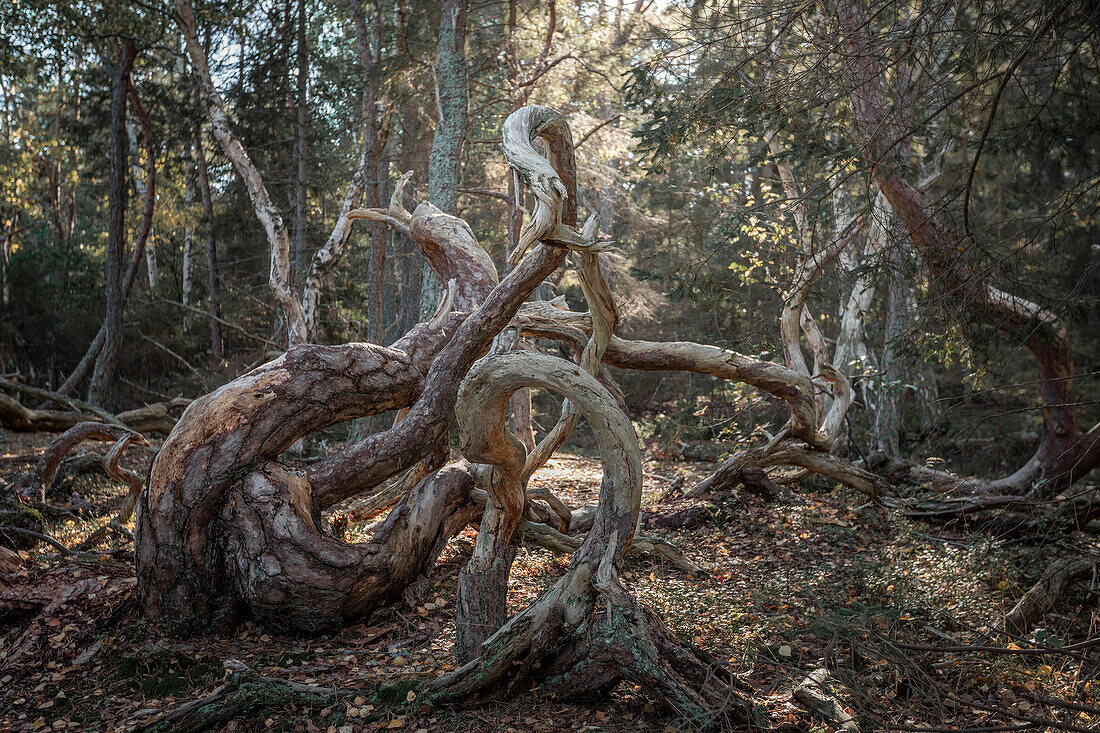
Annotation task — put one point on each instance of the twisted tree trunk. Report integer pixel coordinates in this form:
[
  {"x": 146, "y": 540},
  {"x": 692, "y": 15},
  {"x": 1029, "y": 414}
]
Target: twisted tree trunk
[
  {"x": 224, "y": 527},
  {"x": 1065, "y": 453}
]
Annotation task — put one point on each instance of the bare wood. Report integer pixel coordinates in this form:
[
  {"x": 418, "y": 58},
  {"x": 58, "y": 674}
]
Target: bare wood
[
  {"x": 37, "y": 479},
  {"x": 1042, "y": 596},
  {"x": 586, "y": 632},
  {"x": 811, "y": 693}
]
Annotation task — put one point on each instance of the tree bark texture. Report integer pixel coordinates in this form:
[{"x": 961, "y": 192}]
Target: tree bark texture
[
  {"x": 228, "y": 441},
  {"x": 117, "y": 195},
  {"x": 445, "y": 163},
  {"x": 221, "y": 461}
]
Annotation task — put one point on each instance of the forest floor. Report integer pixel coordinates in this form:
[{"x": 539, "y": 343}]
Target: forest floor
[{"x": 899, "y": 612}]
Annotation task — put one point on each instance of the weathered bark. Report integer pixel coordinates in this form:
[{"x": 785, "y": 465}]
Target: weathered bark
[
  {"x": 790, "y": 453},
  {"x": 587, "y": 633},
  {"x": 222, "y": 457},
  {"x": 547, "y": 321},
  {"x": 117, "y": 190},
  {"x": 379, "y": 456},
  {"x": 1043, "y": 596},
  {"x": 232, "y": 437},
  {"x": 810, "y": 693},
  {"x": 445, "y": 163}
]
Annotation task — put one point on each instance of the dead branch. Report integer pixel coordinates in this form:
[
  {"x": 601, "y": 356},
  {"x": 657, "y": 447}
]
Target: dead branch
[
  {"x": 36, "y": 480},
  {"x": 1045, "y": 594},
  {"x": 811, "y": 693}
]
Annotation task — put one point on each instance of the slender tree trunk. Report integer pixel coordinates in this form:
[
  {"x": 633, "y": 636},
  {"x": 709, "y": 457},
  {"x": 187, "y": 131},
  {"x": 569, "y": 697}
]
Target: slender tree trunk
[
  {"x": 375, "y": 133},
  {"x": 445, "y": 164},
  {"x": 213, "y": 282},
  {"x": 151, "y": 270},
  {"x": 104, "y": 369},
  {"x": 188, "y": 232},
  {"x": 299, "y": 225},
  {"x": 5, "y": 261},
  {"x": 279, "y": 278},
  {"x": 887, "y": 428},
  {"x": 413, "y": 156}
]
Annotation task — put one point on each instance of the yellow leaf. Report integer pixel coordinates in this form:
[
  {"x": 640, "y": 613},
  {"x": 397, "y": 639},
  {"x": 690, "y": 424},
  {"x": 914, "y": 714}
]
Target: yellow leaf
[{"x": 410, "y": 697}]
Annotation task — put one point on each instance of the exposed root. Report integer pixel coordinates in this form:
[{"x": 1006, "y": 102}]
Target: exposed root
[
  {"x": 550, "y": 539},
  {"x": 243, "y": 692},
  {"x": 33, "y": 484},
  {"x": 811, "y": 693},
  {"x": 791, "y": 453},
  {"x": 1043, "y": 596},
  {"x": 587, "y": 633}
]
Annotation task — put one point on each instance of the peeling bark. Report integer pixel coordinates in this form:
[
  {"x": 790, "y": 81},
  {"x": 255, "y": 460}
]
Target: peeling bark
[{"x": 222, "y": 457}]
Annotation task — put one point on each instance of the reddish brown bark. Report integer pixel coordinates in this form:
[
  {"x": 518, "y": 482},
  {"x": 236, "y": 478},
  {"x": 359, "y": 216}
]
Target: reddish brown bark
[{"x": 1064, "y": 452}]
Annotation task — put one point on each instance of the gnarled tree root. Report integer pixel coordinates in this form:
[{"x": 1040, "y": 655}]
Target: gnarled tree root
[
  {"x": 588, "y": 634},
  {"x": 35, "y": 482},
  {"x": 243, "y": 692},
  {"x": 291, "y": 575},
  {"x": 1042, "y": 596},
  {"x": 810, "y": 693}
]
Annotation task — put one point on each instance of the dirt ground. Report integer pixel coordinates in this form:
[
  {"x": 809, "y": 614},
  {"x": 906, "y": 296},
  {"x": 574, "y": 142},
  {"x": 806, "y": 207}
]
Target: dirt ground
[{"x": 901, "y": 613}]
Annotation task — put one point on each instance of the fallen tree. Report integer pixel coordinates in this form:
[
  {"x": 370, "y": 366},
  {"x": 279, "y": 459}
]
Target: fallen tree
[{"x": 158, "y": 417}]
